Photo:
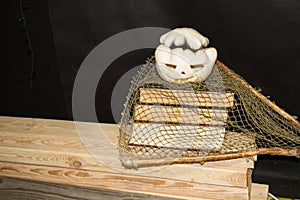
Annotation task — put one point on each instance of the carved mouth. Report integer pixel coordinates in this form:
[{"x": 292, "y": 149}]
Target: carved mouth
[{"x": 180, "y": 80}]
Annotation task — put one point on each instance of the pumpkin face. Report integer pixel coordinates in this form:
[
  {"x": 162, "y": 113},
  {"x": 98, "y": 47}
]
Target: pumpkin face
[{"x": 189, "y": 63}]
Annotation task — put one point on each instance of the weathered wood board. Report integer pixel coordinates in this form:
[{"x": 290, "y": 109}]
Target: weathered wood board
[
  {"x": 182, "y": 97},
  {"x": 51, "y": 151},
  {"x": 179, "y": 115},
  {"x": 26, "y": 189},
  {"x": 179, "y": 119},
  {"x": 122, "y": 182},
  {"x": 259, "y": 191},
  {"x": 178, "y": 136}
]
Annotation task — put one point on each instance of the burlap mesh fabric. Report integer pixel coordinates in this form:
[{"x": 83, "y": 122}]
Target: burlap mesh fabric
[{"x": 220, "y": 115}]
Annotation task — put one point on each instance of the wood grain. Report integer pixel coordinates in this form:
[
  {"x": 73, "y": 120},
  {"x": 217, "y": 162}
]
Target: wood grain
[
  {"x": 58, "y": 150},
  {"x": 121, "y": 182},
  {"x": 39, "y": 141},
  {"x": 171, "y": 114},
  {"x": 178, "y": 136},
  {"x": 191, "y": 98},
  {"x": 26, "y": 189},
  {"x": 259, "y": 191},
  {"x": 214, "y": 174}
]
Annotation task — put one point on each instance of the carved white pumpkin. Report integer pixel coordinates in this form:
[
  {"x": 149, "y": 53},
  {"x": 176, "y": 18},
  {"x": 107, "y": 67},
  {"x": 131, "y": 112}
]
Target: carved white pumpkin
[{"x": 189, "y": 63}]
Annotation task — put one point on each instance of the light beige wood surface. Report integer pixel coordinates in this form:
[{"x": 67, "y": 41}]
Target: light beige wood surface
[
  {"x": 26, "y": 189},
  {"x": 121, "y": 182},
  {"x": 51, "y": 151},
  {"x": 171, "y": 114},
  {"x": 178, "y": 136},
  {"x": 180, "y": 97},
  {"x": 259, "y": 191}
]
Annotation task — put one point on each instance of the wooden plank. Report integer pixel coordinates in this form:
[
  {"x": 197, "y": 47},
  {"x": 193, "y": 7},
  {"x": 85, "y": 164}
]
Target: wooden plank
[
  {"x": 171, "y": 114},
  {"x": 259, "y": 191},
  {"x": 121, "y": 182},
  {"x": 69, "y": 124},
  {"x": 26, "y": 189},
  {"x": 183, "y": 97},
  {"x": 229, "y": 176},
  {"x": 38, "y": 126},
  {"x": 50, "y": 127},
  {"x": 21, "y": 137},
  {"x": 226, "y": 175},
  {"x": 40, "y": 141},
  {"x": 222, "y": 174},
  {"x": 39, "y": 149},
  {"x": 178, "y": 136},
  {"x": 234, "y": 163},
  {"x": 49, "y": 158}
]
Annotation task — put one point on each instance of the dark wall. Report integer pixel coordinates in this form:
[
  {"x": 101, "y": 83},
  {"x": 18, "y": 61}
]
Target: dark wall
[
  {"x": 29, "y": 78},
  {"x": 258, "y": 39}
]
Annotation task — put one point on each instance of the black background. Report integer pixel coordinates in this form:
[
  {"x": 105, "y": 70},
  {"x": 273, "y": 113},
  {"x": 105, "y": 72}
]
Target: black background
[{"x": 258, "y": 39}]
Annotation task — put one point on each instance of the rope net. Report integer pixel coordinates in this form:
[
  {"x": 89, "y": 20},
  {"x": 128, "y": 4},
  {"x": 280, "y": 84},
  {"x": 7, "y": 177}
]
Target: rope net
[{"x": 164, "y": 122}]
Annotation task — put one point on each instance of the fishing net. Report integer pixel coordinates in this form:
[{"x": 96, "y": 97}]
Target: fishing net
[{"x": 220, "y": 118}]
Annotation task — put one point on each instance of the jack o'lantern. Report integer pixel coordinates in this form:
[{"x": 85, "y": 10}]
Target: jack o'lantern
[{"x": 181, "y": 56}]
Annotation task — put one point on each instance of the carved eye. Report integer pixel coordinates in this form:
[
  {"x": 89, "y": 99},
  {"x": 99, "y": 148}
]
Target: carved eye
[
  {"x": 197, "y": 66},
  {"x": 171, "y": 66}
]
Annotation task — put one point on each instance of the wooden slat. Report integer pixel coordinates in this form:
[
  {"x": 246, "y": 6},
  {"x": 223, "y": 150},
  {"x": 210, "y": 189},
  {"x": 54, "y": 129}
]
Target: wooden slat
[
  {"x": 259, "y": 191},
  {"x": 178, "y": 136},
  {"x": 35, "y": 121},
  {"x": 222, "y": 175},
  {"x": 121, "y": 182},
  {"x": 49, "y": 158},
  {"x": 69, "y": 152},
  {"x": 39, "y": 141},
  {"x": 26, "y": 189},
  {"x": 235, "y": 163},
  {"x": 182, "y": 97},
  {"x": 38, "y": 126},
  {"x": 171, "y": 114}
]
